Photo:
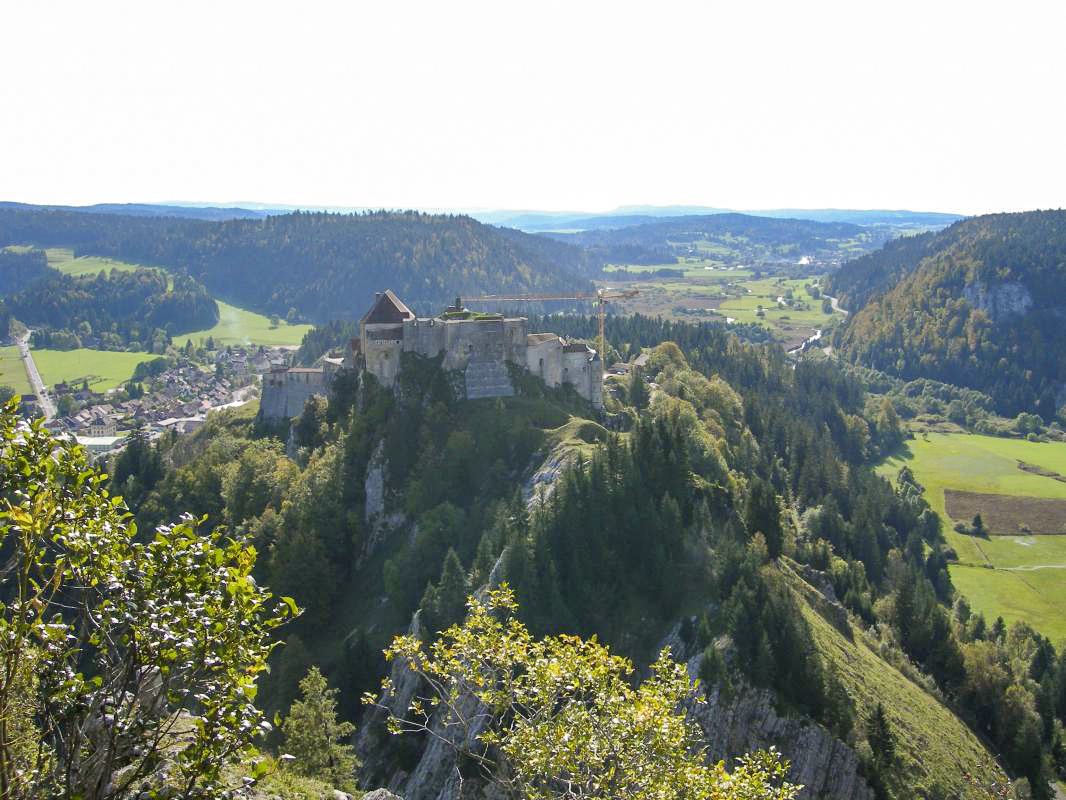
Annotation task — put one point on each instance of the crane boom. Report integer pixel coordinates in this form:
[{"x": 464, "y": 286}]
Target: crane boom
[{"x": 600, "y": 296}]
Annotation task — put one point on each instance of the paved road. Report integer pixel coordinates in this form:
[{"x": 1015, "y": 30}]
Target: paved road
[
  {"x": 836, "y": 306},
  {"x": 47, "y": 405}
]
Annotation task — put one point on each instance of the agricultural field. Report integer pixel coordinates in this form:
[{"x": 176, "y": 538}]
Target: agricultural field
[
  {"x": 62, "y": 259},
  {"x": 1008, "y": 573},
  {"x": 240, "y": 327},
  {"x": 12, "y": 372},
  {"x": 1007, "y": 514},
  {"x": 710, "y": 292},
  {"x": 103, "y": 369}
]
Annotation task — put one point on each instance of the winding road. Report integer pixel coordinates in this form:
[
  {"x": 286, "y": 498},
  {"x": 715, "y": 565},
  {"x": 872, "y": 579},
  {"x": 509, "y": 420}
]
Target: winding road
[
  {"x": 47, "y": 406},
  {"x": 836, "y": 306}
]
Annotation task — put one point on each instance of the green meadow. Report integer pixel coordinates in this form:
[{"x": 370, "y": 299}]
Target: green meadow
[
  {"x": 62, "y": 259},
  {"x": 1013, "y": 576},
  {"x": 12, "y": 372},
  {"x": 765, "y": 293},
  {"x": 240, "y": 327},
  {"x": 103, "y": 369},
  {"x": 236, "y": 326}
]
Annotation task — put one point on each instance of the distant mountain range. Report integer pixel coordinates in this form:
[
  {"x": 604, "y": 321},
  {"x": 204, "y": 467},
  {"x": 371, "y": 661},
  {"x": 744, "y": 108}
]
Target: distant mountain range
[
  {"x": 153, "y": 210},
  {"x": 627, "y": 216},
  {"x": 530, "y": 221}
]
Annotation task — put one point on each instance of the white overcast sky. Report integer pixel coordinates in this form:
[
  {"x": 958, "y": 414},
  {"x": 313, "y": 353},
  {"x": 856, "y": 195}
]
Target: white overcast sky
[{"x": 932, "y": 105}]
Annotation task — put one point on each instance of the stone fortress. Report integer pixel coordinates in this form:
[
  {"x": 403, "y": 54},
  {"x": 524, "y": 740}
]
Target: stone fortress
[{"x": 477, "y": 344}]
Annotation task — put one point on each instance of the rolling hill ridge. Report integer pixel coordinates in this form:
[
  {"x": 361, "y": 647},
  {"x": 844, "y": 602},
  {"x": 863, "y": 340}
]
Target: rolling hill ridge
[{"x": 325, "y": 266}]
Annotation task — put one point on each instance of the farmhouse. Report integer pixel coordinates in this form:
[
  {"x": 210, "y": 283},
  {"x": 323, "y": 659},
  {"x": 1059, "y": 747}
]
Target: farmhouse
[{"x": 479, "y": 345}]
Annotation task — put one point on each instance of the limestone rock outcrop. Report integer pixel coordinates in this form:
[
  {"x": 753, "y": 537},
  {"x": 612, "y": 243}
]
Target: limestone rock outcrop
[{"x": 999, "y": 301}]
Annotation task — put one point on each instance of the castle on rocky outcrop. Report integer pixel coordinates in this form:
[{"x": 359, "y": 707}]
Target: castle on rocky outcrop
[{"x": 479, "y": 345}]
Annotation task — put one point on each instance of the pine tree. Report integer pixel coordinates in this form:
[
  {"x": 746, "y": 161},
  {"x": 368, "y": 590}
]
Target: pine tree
[
  {"x": 638, "y": 390},
  {"x": 762, "y": 515},
  {"x": 879, "y": 735},
  {"x": 444, "y": 603},
  {"x": 315, "y": 736}
]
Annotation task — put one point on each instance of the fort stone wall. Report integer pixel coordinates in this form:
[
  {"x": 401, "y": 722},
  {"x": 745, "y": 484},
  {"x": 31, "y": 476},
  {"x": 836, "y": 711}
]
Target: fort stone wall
[
  {"x": 382, "y": 345},
  {"x": 286, "y": 391},
  {"x": 479, "y": 346}
]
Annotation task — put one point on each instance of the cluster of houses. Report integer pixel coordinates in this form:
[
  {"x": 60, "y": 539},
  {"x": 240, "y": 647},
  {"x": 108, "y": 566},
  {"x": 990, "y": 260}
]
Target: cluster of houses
[{"x": 178, "y": 398}]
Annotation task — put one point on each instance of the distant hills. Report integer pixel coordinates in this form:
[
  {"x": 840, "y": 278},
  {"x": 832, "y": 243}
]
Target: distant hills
[
  {"x": 627, "y": 216},
  {"x": 729, "y": 237},
  {"x": 328, "y": 265},
  {"x": 151, "y": 210},
  {"x": 980, "y": 304},
  {"x": 325, "y": 266},
  {"x": 530, "y": 221}
]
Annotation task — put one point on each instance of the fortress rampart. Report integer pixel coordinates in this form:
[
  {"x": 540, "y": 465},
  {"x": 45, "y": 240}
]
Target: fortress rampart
[{"x": 479, "y": 345}]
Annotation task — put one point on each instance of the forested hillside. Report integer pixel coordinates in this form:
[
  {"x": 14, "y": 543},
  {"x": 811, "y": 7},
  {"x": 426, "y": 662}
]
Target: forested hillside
[
  {"x": 136, "y": 310},
  {"x": 979, "y": 304},
  {"x": 737, "y": 502},
  {"x": 325, "y": 266},
  {"x": 22, "y": 268}
]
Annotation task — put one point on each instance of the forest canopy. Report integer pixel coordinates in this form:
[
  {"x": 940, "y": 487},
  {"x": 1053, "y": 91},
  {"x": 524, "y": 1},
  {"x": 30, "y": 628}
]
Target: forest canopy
[
  {"x": 325, "y": 266},
  {"x": 977, "y": 305}
]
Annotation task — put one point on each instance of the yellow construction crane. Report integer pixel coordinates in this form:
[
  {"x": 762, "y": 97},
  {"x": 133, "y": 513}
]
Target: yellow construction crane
[{"x": 601, "y": 297}]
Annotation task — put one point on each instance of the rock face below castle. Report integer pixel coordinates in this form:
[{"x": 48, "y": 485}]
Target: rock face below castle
[{"x": 481, "y": 345}]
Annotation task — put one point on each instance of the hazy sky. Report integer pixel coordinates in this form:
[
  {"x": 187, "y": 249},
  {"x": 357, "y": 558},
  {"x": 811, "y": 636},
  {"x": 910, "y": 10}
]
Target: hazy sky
[{"x": 931, "y": 105}]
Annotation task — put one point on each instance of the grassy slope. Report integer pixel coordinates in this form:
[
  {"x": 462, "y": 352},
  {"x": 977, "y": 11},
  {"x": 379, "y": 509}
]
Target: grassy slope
[
  {"x": 240, "y": 327},
  {"x": 104, "y": 369},
  {"x": 235, "y": 326},
  {"x": 934, "y": 747},
  {"x": 63, "y": 259},
  {"x": 12, "y": 372},
  {"x": 1013, "y": 589}
]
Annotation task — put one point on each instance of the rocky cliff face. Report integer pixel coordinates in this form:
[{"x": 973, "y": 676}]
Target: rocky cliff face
[
  {"x": 747, "y": 721},
  {"x": 541, "y": 483},
  {"x": 378, "y": 519},
  {"x": 999, "y": 301},
  {"x": 740, "y": 722}
]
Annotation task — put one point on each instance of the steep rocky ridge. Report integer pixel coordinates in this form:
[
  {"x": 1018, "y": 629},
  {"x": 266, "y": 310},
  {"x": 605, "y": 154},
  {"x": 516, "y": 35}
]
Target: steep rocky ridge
[{"x": 936, "y": 747}]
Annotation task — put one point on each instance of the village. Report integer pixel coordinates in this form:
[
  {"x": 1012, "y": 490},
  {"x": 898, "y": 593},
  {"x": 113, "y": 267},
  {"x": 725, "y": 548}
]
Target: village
[{"x": 175, "y": 395}]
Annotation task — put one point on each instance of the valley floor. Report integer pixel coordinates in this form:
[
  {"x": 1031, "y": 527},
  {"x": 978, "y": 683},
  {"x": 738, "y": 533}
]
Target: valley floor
[{"x": 1007, "y": 573}]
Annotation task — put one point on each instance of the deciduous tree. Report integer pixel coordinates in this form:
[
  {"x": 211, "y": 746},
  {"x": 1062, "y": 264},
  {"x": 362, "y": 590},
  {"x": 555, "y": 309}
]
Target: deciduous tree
[
  {"x": 144, "y": 652},
  {"x": 560, "y": 717}
]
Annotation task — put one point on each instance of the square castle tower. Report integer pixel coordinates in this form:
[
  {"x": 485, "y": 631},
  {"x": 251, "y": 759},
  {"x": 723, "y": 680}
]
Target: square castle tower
[{"x": 479, "y": 344}]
